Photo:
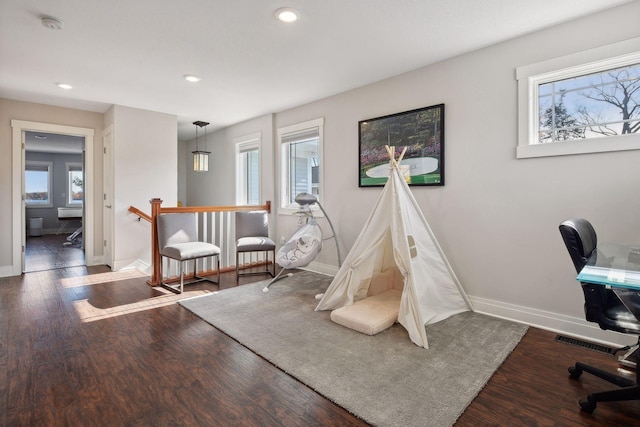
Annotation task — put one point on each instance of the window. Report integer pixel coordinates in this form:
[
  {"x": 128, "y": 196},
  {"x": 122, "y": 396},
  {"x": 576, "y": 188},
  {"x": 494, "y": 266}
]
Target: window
[
  {"x": 248, "y": 169},
  {"x": 590, "y": 106},
  {"x": 37, "y": 184},
  {"x": 582, "y": 103},
  {"x": 301, "y": 148},
  {"x": 75, "y": 184}
]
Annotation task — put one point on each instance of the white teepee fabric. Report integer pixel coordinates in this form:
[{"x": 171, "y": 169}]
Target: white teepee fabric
[{"x": 397, "y": 234}]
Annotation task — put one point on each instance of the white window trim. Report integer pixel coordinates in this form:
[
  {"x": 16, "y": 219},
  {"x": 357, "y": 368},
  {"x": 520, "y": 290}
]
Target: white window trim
[
  {"x": 69, "y": 166},
  {"x": 285, "y": 207},
  {"x": 243, "y": 143},
  {"x": 590, "y": 61},
  {"x": 49, "y": 166}
]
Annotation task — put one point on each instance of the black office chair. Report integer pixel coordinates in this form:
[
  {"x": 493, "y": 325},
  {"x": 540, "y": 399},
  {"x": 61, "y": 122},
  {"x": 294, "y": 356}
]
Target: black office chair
[{"x": 603, "y": 307}]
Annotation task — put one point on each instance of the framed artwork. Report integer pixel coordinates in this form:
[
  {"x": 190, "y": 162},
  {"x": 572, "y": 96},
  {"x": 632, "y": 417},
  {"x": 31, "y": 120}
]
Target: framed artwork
[{"x": 420, "y": 130}]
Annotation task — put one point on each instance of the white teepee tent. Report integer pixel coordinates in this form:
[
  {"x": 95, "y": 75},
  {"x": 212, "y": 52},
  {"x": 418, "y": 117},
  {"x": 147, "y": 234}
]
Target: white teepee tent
[{"x": 398, "y": 235}]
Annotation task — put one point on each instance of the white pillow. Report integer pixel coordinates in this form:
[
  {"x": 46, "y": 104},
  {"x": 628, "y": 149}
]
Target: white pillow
[{"x": 370, "y": 315}]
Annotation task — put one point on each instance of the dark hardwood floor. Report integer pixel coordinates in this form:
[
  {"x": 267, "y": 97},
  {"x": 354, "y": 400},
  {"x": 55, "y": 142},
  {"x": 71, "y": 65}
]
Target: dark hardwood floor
[
  {"x": 83, "y": 346},
  {"x": 51, "y": 251}
]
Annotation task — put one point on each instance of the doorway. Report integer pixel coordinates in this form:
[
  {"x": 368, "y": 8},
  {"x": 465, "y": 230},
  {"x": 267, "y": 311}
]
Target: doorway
[
  {"x": 54, "y": 196},
  {"x": 20, "y": 131}
]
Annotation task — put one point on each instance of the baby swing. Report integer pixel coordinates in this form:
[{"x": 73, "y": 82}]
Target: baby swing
[{"x": 303, "y": 246}]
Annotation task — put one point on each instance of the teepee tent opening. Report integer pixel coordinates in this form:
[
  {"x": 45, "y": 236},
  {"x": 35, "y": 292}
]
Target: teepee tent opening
[{"x": 396, "y": 270}]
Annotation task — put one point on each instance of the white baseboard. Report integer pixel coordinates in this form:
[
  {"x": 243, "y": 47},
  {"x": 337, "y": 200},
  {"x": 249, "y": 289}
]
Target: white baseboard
[
  {"x": 52, "y": 231},
  {"x": 555, "y": 322},
  {"x": 321, "y": 268},
  {"x": 142, "y": 266},
  {"x": 135, "y": 264}
]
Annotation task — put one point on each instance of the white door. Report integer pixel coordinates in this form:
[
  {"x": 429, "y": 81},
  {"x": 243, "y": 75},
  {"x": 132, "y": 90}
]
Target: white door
[{"x": 107, "y": 197}]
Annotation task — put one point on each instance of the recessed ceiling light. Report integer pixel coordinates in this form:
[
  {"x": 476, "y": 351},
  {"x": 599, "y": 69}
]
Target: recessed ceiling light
[
  {"x": 64, "y": 85},
  {"x": 287, "y": 14},
  {"x": 52, "y": 23},
  {"x": 191, "y": 78}
]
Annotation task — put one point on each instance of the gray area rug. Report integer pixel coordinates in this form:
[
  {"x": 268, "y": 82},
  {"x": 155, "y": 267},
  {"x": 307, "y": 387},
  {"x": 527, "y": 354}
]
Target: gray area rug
[{"x": 384, "y": 379}]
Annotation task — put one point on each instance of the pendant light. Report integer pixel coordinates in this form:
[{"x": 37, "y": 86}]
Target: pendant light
[{"x": 201, "y": 158}]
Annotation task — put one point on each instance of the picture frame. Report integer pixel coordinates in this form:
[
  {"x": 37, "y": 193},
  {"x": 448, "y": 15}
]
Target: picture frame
[{"x": 420, "y": 130}]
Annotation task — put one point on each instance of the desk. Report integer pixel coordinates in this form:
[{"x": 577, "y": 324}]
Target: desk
[
  {"x": 68, "y": 214},
  {"x": 617, "y": 267}
]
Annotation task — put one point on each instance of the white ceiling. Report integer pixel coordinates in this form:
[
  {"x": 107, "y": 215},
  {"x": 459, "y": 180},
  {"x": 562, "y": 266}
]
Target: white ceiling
[{"x": 135, "y": 52}]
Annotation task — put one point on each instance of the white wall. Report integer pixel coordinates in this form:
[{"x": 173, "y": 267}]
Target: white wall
[
  {"x": 145, "y": 159},
  {"x": 497, "y": 217}
]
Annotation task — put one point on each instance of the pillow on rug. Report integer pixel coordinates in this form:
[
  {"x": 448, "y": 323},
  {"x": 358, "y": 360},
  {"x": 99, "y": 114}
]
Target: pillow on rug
[{"x": 370, "y": 315}]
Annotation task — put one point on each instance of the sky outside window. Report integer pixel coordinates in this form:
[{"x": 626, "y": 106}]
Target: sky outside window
[{"x": 590, "y": 106}]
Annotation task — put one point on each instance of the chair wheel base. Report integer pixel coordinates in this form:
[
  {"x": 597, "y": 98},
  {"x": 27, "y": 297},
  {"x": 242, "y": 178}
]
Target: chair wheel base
[
  {"x": 575, "y": 372},
  {"x": 587, "y": 405}
]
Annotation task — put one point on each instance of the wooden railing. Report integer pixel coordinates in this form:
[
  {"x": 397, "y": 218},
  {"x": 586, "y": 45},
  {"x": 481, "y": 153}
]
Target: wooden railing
[
  {"x": 216, "y": 225},
  {"x": 140, "y": 214}
]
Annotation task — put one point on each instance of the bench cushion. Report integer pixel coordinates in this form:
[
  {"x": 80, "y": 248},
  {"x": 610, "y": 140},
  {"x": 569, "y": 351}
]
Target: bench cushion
[
  {"x": 190, "y": 250},
  {"x": 370, "y": 315}
]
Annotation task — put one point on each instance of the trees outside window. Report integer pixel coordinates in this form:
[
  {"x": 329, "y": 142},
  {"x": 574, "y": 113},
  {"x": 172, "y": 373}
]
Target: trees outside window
[
  {"x": 590, "y": 106},
  {"x": 75, "y": 184},
  {"x": 585, "y": 102}
]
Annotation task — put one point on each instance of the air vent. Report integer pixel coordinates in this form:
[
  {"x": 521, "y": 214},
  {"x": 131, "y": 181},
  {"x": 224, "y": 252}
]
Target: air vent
[{"x": 589, "y": 345}]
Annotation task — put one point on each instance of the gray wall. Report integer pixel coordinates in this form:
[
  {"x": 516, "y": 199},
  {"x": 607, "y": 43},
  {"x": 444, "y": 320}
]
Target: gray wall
[
  {"x": 497, "y": 217},
  {"x": 58, "y": 186},
  {"x": 18, "y": 110},
  {"x": 217, "y": 187}
]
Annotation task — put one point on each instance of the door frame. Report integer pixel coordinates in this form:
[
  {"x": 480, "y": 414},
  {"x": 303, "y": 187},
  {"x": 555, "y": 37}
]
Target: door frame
[
  {"x": 107, "y": 195},
  {"x": 19, "y": 127}
]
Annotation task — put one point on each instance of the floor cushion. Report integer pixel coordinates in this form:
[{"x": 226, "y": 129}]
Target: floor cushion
[{"x": 370, "y": 315}]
